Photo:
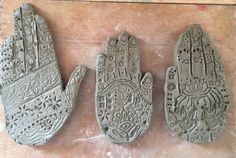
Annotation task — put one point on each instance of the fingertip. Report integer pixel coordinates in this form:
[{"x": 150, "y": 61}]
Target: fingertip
[
  {"x": 101, "y": 57},
  {"x": 17, "y": 12},
  {"x": 172, "y": 68},
  {"x": 9, "y": 39},
  {"x": 196, "y": 26},
  {"x": 148, "y": 75},
  {"x": 78, "y": 72},
  {"x": 171, "y": 74},
  {"x": 39, "y": 19},
  {"x": 147, "y": 79},
  {"x": 26, "y": 7},
  {"x": 124, "y": 36},
  {"x": 111, "y": 42},
  {"x": 133, "y": 40},
  {"x": 81, "y": 70},
  {"x": 84, "y": 69},
  {"x": 101, "y": 60},
  {"x": 111, "y": 46}
]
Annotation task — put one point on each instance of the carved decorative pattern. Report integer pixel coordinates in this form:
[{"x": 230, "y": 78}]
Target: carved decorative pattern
[
  {"x": 36, "y": 105},
  {"x": 196, "y": 94},
  {"x": 123, "y": 97}
]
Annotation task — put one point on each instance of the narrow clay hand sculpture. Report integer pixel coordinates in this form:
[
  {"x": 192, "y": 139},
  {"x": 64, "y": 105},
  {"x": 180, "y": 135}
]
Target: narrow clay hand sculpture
[
  {"x": 196, "y": 94},
  {"x": 123, "y": 95},
  {"x": 36, "y": 104}
]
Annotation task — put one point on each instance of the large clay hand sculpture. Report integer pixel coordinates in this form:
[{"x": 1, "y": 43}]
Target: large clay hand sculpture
[
  {"x": 123, "y": 95},
  {"x": 196, "y": 94},
  {"x": 36, "y": 104}
]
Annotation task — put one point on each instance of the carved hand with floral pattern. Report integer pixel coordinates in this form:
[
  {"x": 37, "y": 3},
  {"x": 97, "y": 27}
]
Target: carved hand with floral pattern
[
  {"x": 31, "y": 82},
  {"x": 196, "y": 94}
]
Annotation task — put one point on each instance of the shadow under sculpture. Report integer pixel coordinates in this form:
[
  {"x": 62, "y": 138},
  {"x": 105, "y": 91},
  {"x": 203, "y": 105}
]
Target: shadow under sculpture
[
  {"x": 123, "y": 96},
  {"x": 35, "y": 102},
  {"x": 196, "y": 93}
]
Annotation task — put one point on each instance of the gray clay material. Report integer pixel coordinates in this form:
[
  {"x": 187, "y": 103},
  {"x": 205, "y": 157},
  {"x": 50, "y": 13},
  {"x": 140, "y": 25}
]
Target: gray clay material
[
  {"x": 36, "y": 104},
  {"x": 196, "y": 94},
  {"x": 123, "y": 95}
]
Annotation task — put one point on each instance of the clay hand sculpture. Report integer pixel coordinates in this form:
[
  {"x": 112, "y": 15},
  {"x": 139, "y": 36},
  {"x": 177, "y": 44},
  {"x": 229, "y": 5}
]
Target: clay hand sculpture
[
  {"x": 35, "y": 102},
  {"x": 123, "y": 95},
  {"x": 196, "y": 94}
]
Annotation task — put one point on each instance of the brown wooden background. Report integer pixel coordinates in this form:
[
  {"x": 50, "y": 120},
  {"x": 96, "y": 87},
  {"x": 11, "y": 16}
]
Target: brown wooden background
[
  {"x": 80, "y": 30},
  {"x": 171, "y": 1}
]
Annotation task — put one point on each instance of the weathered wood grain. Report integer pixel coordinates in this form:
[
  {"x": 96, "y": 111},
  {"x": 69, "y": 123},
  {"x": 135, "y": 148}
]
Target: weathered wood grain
[
  {"x": 171, "y": 1},
  {"x": 80, "y": 31}
]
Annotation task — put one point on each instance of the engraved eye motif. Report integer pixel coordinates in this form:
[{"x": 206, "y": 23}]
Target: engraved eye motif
[
  {"x": 124, "y": 112},
  {"x": 196, "y": 94}
]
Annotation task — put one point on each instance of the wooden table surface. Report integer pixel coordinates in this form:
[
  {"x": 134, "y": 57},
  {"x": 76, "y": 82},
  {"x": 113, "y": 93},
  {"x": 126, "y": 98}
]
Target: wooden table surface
[
  {"x": 80, "y": 30},
  {"x": 171, "y": 1}
]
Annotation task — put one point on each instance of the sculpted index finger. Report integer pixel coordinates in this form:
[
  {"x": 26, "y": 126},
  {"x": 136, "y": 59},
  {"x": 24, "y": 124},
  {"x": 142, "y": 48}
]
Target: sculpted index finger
[
  {"x": 45, "y": 43},
  {"x": 29, "y": 37},
  {"x": 111, "y": 46},
  {"x": 182, "y": 57},
  {"x": 19, "y": 49},
  {"x": 212, "y": 60},
  {"x": 134, "y": 58},
  {"x": 198, "y": 59}
]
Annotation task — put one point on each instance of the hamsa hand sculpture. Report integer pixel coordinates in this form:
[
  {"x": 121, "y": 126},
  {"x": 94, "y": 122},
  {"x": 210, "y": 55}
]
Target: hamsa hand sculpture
[
  {"x": 196, "y": 94},
  {"x": 36, "y": 104},
  {"x": 123, "y": 95}
]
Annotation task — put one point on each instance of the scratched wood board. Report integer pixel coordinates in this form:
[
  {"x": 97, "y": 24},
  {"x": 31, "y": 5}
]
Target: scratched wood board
[
  {"x": 171, "y": 1},
  {"x": 80, "y": 31}
]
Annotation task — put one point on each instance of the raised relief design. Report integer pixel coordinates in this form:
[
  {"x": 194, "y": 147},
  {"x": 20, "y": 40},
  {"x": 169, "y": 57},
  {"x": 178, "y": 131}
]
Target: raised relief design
[
  {"x": 35, "y": 102},
  {"x": 123, "y": 95},
  {"x": 196, "y": 94}
]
